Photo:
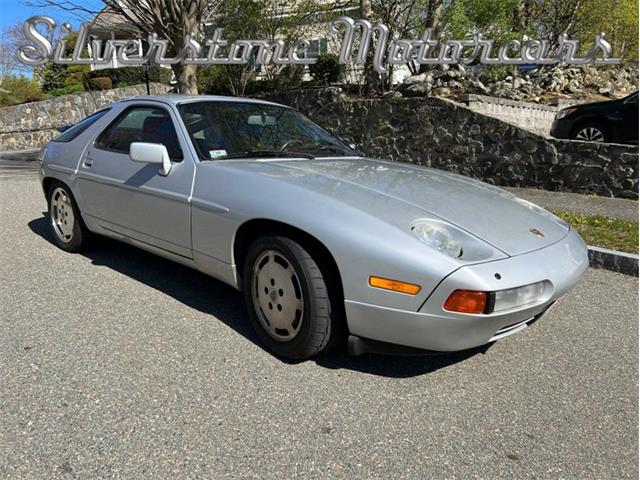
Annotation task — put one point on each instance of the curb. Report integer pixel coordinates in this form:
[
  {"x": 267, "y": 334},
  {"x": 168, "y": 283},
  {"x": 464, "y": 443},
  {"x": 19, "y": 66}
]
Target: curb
[
  {"x": 621, "y": 262},
  {"x": 24, "y": 155}
]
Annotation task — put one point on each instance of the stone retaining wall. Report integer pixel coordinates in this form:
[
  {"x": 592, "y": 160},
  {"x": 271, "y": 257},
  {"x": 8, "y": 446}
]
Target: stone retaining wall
[
  {"x": 443, "y": 134},
  {"x": 31, "y": 125},
  {"x": 427, "y": 131}
]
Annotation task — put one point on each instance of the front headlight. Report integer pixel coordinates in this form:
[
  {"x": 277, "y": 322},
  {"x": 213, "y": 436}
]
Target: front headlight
[
  {"x": 563, "y": 113},
  {"x": 437, "y": 236}
]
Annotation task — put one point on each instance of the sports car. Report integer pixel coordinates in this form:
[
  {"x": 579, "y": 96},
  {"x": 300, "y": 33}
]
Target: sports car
[{"x": 329, "y": 247}]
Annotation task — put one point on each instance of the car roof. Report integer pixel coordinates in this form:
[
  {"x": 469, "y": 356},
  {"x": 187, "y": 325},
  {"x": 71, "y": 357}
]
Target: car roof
[{"x": 176, "y": 99}]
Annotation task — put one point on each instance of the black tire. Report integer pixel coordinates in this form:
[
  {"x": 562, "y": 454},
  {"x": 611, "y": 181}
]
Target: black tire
[
  {"x": 78, "y": 235},
  {"x": 316, "y": 327},
  {"x": 591, "y": 131}
]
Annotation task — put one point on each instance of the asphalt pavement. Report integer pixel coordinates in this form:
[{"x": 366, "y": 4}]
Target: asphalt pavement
[
  {"x": 18, "y": 164},
  {"x": 622, "y": 208},
  {"x": 118, "y": 364}
]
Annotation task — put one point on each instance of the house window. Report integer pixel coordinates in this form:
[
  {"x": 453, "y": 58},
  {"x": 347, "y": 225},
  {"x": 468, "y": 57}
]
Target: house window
[
  {"x": 314, "y": 48},
  {"x": 317, "y": 46},
  {"x": 323, "y": 46}
]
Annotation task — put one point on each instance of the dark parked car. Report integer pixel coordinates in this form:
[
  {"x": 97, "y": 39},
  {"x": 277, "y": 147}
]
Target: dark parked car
[{"x": 612, "y": 121}]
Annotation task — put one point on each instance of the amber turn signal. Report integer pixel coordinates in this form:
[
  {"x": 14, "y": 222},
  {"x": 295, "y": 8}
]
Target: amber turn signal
[
  {"x": 395, "y": 285},
  {"x": 466, "y": 301}
]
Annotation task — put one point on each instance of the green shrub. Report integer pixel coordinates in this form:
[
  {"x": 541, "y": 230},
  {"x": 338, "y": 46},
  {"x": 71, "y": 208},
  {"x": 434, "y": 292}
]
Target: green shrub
[
  {"x": 100, "y": 83},
  {"x": 214, "y": 80},
  {"x": 75, "y": 76},
  {"x": 66, "y": 90},
  {"x": 217, "y": 80},
  {"x": 52, "y": 76},
  {"x": 256, "y": 87},
  {"x": 19, "y": 90},
  {"x": 290, "y": 77},
  {"x": 496, "y": 73},
  {"x": 7, "y": 99},
  {"x": 126, "y": 76},
  {"x": 327, "y": 69}
]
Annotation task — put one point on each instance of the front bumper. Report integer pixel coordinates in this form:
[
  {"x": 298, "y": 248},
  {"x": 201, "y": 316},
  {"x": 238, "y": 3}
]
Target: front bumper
[
  {"x": 561, "y": 129},
  {"x": 561, "y": 265}
]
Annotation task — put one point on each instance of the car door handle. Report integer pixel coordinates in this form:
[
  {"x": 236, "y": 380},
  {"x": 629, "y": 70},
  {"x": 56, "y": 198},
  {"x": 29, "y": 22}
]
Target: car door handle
[{"x": 88, "y": 161}]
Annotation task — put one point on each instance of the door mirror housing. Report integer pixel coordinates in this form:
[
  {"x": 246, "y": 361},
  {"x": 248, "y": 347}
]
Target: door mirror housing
[{"x": 151, "y": 153}]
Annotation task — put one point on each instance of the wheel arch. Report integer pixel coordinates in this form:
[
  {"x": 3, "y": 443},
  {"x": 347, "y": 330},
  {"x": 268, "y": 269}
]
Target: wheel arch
[
  {"x": 252, "y": 229},
  {"x": 46, "y": 184},
  {"x": 600, "y": 121},
  {"x": 50, "y": 180}
]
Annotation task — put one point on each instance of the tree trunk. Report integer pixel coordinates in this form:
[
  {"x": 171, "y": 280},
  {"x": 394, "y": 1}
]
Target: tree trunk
[
  {"x": 365, "y": 9},
  {"x": 186, "y": 78},
  {"x": 435, "y": 9},
  {"x": 189, "y": 24},
  {"x": 389, "y": 82},
  {"x": 372, "y": 84}
]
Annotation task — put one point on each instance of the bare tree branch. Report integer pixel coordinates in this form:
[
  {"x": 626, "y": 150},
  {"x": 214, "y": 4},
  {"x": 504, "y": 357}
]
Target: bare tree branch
[{"x": 170, "y": 19}]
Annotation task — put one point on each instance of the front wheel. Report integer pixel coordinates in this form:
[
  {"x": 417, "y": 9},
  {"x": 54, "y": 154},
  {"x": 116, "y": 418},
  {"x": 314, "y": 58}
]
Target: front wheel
[
  {"x": 592, "y": 132},
  {"x": 287, "y": 298}
]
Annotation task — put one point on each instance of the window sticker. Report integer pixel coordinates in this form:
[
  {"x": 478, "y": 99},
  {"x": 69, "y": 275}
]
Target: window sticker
[{"x": 217, "y": 153}]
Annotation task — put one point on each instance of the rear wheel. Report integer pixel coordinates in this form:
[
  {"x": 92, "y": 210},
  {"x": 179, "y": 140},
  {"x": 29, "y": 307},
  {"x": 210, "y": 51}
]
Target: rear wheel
[
  {"x": 287, "y": 298},
  {"x": 69, "y": 230}
]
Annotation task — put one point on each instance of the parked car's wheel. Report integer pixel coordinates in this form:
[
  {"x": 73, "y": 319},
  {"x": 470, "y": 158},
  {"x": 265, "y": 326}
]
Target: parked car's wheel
[
  {"x": 287, "y": 298},
  {"x": 591, "y": 132},
  {"x": 69, "y": 230}
]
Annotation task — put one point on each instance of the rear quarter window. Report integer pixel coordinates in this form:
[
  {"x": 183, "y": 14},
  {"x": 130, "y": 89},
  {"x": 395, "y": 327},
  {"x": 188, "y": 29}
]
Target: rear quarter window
[{"x": 80, "y": 127}]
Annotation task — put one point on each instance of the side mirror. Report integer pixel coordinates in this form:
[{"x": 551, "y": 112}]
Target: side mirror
[{"x": 151, "y": 153}]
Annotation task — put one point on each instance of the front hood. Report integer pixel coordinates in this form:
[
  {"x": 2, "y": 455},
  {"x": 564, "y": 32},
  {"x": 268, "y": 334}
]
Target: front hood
[
  {"x": 496, "y": 216},
  {"x": 592, "y": 104}
]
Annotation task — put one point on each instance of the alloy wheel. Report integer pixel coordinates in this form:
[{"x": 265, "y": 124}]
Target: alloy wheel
[
  {"x": 277, "y": 295},
  {"x": 62, "y": 217},
  {"x": 590, "y": 134}
]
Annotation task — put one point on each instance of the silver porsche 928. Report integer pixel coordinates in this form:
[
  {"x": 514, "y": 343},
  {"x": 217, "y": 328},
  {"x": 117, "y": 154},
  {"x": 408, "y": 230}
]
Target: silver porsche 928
[{"x": 325, "y": 243}]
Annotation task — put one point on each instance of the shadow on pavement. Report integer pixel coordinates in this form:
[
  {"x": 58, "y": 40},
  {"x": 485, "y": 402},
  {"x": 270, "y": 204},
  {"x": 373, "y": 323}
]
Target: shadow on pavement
[{"x": 213, "y": 297}]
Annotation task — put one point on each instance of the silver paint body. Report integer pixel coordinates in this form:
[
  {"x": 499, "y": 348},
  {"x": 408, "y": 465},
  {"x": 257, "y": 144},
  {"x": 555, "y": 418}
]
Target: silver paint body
[{"x": 361, "y": 209}]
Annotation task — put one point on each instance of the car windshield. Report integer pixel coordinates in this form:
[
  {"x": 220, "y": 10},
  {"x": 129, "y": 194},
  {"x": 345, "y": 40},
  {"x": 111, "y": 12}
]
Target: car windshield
[{"x": 232, "y": 129}]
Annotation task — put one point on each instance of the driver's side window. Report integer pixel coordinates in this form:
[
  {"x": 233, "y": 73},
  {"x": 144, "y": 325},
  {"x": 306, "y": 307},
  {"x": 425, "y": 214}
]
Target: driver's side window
[{"x": 141, "y": 124}]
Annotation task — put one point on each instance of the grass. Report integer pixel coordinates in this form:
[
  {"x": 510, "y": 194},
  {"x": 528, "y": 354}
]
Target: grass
[{"x": 604, "y": 232}]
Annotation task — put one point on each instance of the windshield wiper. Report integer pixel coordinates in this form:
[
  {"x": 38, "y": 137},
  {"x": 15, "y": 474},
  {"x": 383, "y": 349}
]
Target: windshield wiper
[
  {"x": 266, "y": 153},
  {"x": 326, "y": 148}
]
